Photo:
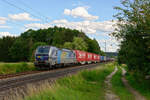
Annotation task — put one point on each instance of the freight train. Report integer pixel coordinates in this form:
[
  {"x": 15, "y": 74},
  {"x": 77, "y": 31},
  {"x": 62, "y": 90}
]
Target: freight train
[{"x": 50, "y": 57}]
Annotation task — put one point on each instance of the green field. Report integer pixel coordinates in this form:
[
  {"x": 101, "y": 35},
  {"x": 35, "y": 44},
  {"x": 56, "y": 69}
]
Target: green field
[
  {"x": 86, "y": 85},
  {"x": 10, "y": 68}
]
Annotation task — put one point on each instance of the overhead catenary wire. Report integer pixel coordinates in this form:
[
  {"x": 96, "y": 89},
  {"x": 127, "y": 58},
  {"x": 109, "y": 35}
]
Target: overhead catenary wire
[
  {"x": 11, "y": 4},
  {"x": 36, "y": 11},
  {"x": 22, "y": 9}
]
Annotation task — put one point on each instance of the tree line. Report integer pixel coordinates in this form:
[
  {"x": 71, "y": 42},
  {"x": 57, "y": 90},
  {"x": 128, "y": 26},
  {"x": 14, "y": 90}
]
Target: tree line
[
  {"x": 134, "y": 32},
  {"x": 22, "y": 48}
]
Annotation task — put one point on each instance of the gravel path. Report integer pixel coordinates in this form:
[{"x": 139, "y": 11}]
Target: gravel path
[
  {"x": 137, "y": 95},
  {"x": 109, "y": 95}
]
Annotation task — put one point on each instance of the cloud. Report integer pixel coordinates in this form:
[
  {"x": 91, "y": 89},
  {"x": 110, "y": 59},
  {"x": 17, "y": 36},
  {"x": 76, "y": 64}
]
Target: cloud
[
  {"x": 60, "y": 21},
  {"x": 105, "y": 26},
  {"x": 85, "y": 26},
  {"x": 80, "y": 12},
  {"x": 88, "y": 26},
  {"x": 37, "y": 26},
  {"x": 3, "y": 34},
  {"x": 22, "y": 17},
  {"x": 81, "y": 26},
  {"x": 3, "y": 20}
]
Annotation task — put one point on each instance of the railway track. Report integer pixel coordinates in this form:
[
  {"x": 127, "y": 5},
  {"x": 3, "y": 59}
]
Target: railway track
[
  {"x": 10, "y": 83},
  {"x": 17, "y": 74}
]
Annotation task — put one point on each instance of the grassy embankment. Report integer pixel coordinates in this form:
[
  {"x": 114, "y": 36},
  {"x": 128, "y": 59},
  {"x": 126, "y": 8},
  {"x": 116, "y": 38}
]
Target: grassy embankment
[
  {"x": 86, "y": 85},
  {"x": 139, "y": 83},
  {"x": 10, "y": 68},
  {"x": 118, "y": 87}
]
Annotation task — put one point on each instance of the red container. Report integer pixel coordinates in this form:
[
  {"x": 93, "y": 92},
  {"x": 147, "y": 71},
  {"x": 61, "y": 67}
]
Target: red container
[
  {"x": 80, "y": 55},
  {"x": 96, "y": 57},
  {"x": 89, "y": 56}
]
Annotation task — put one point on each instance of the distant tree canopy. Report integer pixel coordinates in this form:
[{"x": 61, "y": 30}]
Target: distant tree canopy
[
  {"x": 5, "y": 44},
  {"x": 22, "y": 48},
  {"x": 77, "y": 44},
  {"x": 134, "y": 32}
]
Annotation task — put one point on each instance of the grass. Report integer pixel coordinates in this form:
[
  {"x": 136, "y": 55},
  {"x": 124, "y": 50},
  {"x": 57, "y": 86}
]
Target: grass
[
  {"x": 119, "y": 88},
  {"x": 10, "y": 68},
  {"x": 86, "y": 85},
  {"x": 140, "y": 84}
]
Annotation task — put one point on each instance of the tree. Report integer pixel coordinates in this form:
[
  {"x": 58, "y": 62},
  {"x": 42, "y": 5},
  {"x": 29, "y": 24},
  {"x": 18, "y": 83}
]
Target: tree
[
  {"x": 77, "y": 44},
  {"x": 133, "y": 30},
  {"x": 20, "y": 50},
  {"x": 93, "y": 46},
  {"x": 5, "y": 44},
  {"x": 68, "y": 45}
]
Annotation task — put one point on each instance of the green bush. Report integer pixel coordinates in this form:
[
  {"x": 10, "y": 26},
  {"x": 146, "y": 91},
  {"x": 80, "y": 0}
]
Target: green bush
[
  {"x": 9, "y": 68},
  {"x": 140, "y": 84}
]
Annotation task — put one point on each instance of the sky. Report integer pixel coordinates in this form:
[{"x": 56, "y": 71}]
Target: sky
[{"x": 94, "y": 17}]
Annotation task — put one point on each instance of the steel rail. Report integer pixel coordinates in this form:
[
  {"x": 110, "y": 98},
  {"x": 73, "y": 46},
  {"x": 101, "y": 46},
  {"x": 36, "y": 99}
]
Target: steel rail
[{"x": 11, "y": 83}]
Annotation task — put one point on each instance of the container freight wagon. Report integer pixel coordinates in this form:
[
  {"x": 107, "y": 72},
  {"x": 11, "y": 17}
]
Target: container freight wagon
[
  {"x": 98, "y": 58},
  {"x": 80, "y": 56},
  {"x": 95, "y": 58},
  {"x": 83, "y": 57},
  {"x": 89, "y": 57},
  {"x": 103, "y": 58}
]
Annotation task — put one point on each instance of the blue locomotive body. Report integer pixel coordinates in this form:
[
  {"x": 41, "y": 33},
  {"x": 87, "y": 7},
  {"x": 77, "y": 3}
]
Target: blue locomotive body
[{"x": 50, "y": 56}]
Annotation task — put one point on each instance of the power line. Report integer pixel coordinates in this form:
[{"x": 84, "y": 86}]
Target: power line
[
  {"x": 37, "y": 12},
  {"x": 11, "y": 4},
  {"x": 10, "y": 22}
]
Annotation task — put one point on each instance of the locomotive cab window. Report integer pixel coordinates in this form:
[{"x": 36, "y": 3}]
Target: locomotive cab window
[{"x": 44, "y": 50}]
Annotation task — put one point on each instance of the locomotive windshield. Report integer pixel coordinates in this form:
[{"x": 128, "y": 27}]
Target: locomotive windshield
[{"x": 43, "y": 50}]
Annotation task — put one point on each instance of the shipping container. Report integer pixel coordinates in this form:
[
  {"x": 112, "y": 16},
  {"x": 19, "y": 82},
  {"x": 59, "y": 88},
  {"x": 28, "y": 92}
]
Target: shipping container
[
  {"x": 80, "y": 56},
  {"x": 103, "y": 58},
  {"x": 95, "y": 58},
  {"x": 89, "y": 57}
]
